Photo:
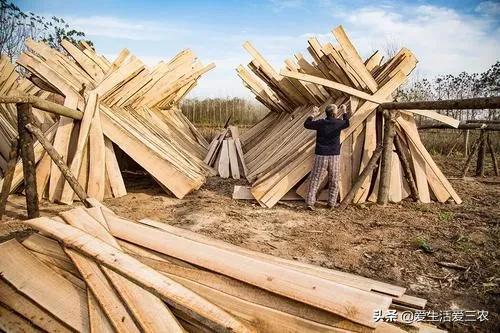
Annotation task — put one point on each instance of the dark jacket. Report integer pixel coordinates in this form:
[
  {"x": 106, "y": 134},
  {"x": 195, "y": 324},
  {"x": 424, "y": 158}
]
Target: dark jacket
[{"x": 327, "y": 133}]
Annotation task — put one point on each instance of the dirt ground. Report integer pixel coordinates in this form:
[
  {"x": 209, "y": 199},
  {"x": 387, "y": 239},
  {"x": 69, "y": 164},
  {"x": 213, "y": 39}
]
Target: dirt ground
[{"x": 377, "y": 242}]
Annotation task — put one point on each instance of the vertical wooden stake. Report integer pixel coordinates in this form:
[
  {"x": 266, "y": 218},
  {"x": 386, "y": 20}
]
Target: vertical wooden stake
[
  {"x": 386, "y": 163},
  {"x": 25, "y": 117},
  {"x": 406, "y": 168},
  {"x": 8, "y": 176},
  {"x": 481, "y": 155},
  {"x": 471, "y": 155},
  {"x": 466, "y": 143},
  {"x": 493, "y": 156}
]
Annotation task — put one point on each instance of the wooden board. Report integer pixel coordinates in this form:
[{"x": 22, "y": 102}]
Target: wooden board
[
  {"x": 97, "y": 162},
  {"x": 254, "y": 271},
  {"x": 23, "y": 271},
  {"x": 233, "y": 159},
  {"x": 223, "y": 165}
]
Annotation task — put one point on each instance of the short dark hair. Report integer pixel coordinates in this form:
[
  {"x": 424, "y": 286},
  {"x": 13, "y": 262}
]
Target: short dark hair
[{"x": 329, "y": 110}]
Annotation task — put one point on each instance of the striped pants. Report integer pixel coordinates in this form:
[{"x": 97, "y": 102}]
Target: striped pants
[{"x": 322, "y": 164}]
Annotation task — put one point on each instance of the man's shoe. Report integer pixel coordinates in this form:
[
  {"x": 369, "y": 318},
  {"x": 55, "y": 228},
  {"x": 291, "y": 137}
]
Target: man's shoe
[
  {"x": 331, "y": 206},
  {"x": 309, "y": 207}
]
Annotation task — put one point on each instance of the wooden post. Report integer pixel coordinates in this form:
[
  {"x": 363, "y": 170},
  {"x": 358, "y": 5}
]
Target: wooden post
[
  {"x": 493, "y": 156},
  {"x": 466, "y": 143},
  {"x": 58, "y": 160},
  {"x": 25, "y": 117},
  {"x": 481, "y": 155},
  {"x": 8, "y": 176},
  {"x": 475, "y": 147},
  {"x": 406, "y": 168},
  {"x": 385, "y": 165},
  {"x": 370, "y": 166}
]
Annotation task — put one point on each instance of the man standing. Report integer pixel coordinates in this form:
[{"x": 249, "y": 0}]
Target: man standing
[{"x": 327, "y": 151}]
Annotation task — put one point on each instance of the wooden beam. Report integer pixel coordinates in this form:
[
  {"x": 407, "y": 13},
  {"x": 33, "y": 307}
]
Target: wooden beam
[
  {"x": 332, "y": 84},
  {"x": 462, "y": 126},
  {"x": 451, "y": 104},
  {"x": 44, "y": 105},
  {"x": 25, "y": 117},
  {"x": 405, "y": 164}
]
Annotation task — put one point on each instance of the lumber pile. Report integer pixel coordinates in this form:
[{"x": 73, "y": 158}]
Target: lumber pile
[
  {"x": 91, "y": 270},
  {"x": 124, "y": 104},
  {"x": 279, "y": 152},
  {"x": 225, "y": 154}
]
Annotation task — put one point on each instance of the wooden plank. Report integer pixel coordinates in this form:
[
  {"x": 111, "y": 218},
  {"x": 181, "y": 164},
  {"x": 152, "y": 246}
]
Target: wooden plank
[
  {"x": 150, "y": 312},
  {"x": 436, "y": 116},
  {"x": 97, "y": 163},
  {"x": 159, "y": 168},
  {"x": 53, "y": 293},
  {"x": 353, "y": 59},
  {"x": 113, "y": 170},
  {"x": 11, "y": 322},
  {"x": 286, "y": 282},
  {"x": 98, "y": 320},
  {"x": 105, "y": 295},
  {"x": 61, "y": 145},
  {"x": 334, "y": 85},
  {"x": 76, "y": 163},
  {"x": 42, "y": 175},
  {"x": 348, "y": 279},
  {"x": 414, "y": 138},
  {"x": 170, "y": 291},
  {"x": 223, "y": 165},
  {"x": 233, "y": 159},
  {"x": 28, "y": 309}
]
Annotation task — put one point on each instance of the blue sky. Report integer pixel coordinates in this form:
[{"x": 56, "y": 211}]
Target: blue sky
[{"x": 446, "y": 36}]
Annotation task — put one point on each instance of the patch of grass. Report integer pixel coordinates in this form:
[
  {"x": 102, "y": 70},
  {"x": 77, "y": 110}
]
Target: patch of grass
[
  {"x": 463, "y": 243},
  {"x": 445, "y": 216},
  {"x": 422, "y": 243}
]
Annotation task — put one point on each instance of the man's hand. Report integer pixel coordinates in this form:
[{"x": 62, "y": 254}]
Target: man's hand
[{"x": 315, "y": 112}]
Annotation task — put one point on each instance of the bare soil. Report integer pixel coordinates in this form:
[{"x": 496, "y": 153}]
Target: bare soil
[{"x": 377, "y": 242}]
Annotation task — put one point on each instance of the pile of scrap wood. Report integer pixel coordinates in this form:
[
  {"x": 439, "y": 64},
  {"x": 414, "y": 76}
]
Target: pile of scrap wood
[
  {"x": 123, "y": 103},
  {"x": 225, "y": 154},
  {"x": 91, "y": 270},
  {"x": 279, "y": 152}
]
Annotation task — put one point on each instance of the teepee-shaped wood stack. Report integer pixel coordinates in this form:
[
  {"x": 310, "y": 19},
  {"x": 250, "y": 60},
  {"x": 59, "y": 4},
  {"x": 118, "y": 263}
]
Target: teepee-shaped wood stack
[{"x": 278, "y": 150}]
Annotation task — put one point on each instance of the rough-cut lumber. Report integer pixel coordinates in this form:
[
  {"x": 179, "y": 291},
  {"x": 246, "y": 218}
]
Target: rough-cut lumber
[
  {"x": 58, "y": 161},
  {"x": 13, "y": 323},
  {"x": 8, "y": 176},
  {"x": 170, "y": 291},
  {"x": 290, "y": 283},
  {"x": 23, "y": 271}
]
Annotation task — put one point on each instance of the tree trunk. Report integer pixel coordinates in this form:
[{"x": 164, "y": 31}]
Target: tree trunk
[
  {"x": 406, "y": 167},
  {"x": 25, "y": 117},
  {"x": 385, "y": 165},
  {"x": 481, "y": 155},
  {"x": 493, "y": 156}
]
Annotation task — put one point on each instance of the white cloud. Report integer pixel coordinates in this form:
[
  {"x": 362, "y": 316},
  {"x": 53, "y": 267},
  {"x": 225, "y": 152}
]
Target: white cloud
[
  {"x": 113, "y": 27},
  {"x": 443, "y": 40}
]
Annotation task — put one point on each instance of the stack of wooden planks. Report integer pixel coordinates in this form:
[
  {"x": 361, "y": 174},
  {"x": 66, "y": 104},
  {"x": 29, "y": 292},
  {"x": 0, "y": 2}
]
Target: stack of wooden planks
[
  {"x": 89, "y": 270},
  {"x": 225, "y": 154},
  {"x": 279, "y": 152},
  {"x": 124, "y": 104},
  {"x": 11, "y": 84}
]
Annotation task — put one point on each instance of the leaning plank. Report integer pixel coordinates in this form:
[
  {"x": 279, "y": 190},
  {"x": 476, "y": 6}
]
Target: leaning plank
[
  {"x": 113, "y": 170},
  {"x": 333, "y": 297},
  {"x": 173, "y": 293},
  {"x": 55, "y": 294},
  {"x": 233, "y": 159},
  {"x": 28, "y": 309},
  {"x": 61, "y": 145},
  {"x": 436, "y": 116},
  {"x": 97, "y": 155},
  {"x": 76, "y": 163},
  {"x": 223, "y": 165}
]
